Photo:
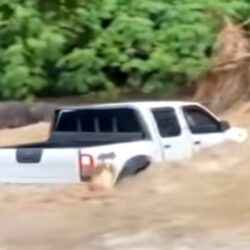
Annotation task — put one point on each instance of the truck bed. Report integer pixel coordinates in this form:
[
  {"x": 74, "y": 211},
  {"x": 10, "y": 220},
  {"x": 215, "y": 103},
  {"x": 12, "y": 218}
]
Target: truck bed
[
  {"x": 75, "y": 140},
  {"x": 55, "y": 160},
  {"x": 33, "y": 166}
]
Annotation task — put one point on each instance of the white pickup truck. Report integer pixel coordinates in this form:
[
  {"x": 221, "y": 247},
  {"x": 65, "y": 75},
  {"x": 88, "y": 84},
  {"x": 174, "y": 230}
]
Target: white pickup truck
[{"x": 130, "y": 136}]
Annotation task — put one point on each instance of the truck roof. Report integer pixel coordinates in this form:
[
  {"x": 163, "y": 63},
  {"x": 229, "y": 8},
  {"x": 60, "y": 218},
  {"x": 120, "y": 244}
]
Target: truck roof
[{"x": 138, "y": 104}]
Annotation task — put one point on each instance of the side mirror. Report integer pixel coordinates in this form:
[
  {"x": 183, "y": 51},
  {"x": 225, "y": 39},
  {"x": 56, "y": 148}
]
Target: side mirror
[{"x": 224, "y": 125}]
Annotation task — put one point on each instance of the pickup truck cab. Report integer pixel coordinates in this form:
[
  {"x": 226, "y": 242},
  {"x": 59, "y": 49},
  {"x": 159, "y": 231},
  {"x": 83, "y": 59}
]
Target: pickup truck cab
[{"x": 130, "y": 136}]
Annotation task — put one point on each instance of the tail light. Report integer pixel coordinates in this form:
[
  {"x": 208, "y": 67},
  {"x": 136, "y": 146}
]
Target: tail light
[{"x": 86, "y": 165}]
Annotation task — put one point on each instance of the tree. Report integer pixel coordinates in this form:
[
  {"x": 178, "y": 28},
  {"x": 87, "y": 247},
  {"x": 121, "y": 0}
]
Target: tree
[{"x": 80, "y": 46}]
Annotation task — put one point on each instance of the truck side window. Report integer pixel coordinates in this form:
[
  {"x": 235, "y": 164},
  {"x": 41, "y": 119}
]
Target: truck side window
[
  {"x": 109, "y": 120},
  {"x": 200, "y": 121},
  {"x": 127, "y": 121},
  {"x": 67, "y": 122},
  {"x": 105, "y": 121},
  {"x": 87, "y": 120},
  {"x": 167, "y": 122}
]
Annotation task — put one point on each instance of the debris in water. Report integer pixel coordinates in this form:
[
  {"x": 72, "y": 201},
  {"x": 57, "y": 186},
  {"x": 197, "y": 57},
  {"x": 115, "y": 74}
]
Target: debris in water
[{"x": 102, "y": 178}]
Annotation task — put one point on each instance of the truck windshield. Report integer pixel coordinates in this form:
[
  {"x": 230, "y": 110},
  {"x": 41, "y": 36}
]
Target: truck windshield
[{"x": 98, "y": 120}]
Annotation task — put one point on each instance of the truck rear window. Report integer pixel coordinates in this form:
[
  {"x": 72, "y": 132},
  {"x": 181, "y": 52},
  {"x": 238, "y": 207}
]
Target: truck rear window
[{"x": 99, "y": 120}]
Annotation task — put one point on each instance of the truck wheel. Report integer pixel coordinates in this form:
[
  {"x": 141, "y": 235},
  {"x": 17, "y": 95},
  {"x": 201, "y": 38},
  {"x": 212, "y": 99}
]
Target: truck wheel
[{"x": 134, "y": 166}]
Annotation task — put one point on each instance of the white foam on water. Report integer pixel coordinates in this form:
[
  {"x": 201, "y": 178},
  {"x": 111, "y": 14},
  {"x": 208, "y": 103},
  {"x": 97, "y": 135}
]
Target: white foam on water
[{"x": 152, "y": 241}]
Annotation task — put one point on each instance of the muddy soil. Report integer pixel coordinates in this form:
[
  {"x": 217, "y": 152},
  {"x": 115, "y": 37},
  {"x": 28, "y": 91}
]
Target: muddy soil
[{"x": 203, "y": 203}]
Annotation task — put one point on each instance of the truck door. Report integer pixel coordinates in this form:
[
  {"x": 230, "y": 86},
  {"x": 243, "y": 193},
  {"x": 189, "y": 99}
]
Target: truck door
[
  {"x": 174, "y": 140},
  {"x": 205, "y": 128}
]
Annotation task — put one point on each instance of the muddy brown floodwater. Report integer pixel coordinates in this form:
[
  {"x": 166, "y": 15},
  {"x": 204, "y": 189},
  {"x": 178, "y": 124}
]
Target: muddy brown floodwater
[{"x": 200, "y": 204}]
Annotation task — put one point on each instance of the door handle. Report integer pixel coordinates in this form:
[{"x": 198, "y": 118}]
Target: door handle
[
  {"x": 167, "y": 146},
  {"x": 197, "y": 142}
]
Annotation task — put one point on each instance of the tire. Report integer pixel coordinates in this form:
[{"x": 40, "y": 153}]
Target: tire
[{"x": 134, "y": 166}]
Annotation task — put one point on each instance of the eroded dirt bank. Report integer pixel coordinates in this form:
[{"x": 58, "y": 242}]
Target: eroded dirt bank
[{"x": 203, "y": 203}]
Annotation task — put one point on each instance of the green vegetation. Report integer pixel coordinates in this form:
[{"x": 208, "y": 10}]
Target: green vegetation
[{"x": 83, "y": 46}]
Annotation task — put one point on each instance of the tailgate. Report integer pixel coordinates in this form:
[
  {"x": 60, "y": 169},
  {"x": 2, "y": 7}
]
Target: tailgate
[{"x": 38, "y": 165}]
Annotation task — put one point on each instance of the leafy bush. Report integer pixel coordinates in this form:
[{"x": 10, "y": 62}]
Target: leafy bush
[{"x": 81, "y": 46}]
